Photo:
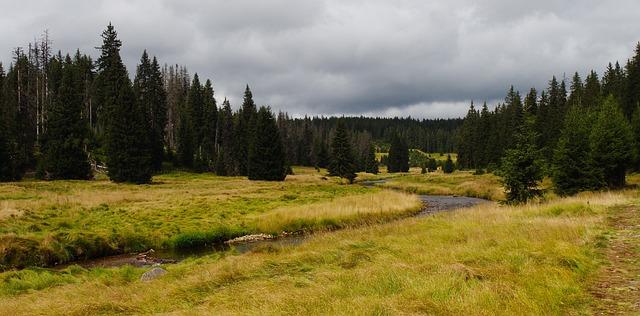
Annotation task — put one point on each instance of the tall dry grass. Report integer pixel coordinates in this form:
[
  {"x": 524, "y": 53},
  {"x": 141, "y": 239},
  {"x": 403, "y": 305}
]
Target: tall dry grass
[{"x": 535, "y": 259}]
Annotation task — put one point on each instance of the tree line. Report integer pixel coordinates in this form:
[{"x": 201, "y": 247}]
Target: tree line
[
  {"x": 64, "y": 116},
  {"x": 585, "y": 137}
]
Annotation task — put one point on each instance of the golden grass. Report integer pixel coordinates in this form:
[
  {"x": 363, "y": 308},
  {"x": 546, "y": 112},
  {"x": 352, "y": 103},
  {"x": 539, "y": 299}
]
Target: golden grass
[
  {"x": 344, "y": 210},
  {"x": 486, "y": 186},
  {"x": 536, "y": 259}
]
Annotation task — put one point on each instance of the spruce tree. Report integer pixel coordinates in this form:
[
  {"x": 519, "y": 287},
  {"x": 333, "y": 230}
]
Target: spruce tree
[
  {"x": 209, "y": 128},
  {"x": 7, "y": 163},
  {"x": 371, "y": 164},
  {"x": 398, "y": 160},
  {"x": 245, "y": 130},
  {"x": 632, "y": 90},
  {"x": 521, "y": 168},
  {"x": 196, "y": 118},
  {"x": 185, "y": 148},
  {"x": 592, "y": 95},
  {"x": 64, "y": 141},
  {"x": 575, "y": 98},
  {"x": 266, "y": 154},
  {"x": 150, "y": 95},
  {"x": 342, "y": 161},
  {"x": 612, "y": 144},
  {"x": 128, "y": 148},
  {"x": 226, "y": 142},
  {"x": 572, "y": 168}
]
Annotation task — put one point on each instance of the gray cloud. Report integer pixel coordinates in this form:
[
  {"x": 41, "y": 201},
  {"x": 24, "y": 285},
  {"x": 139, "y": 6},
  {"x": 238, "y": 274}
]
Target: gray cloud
[{"x": 407, "y": 57}]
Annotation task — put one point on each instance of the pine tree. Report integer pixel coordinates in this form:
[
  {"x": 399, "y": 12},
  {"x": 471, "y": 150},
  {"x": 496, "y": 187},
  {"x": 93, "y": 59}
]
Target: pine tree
[
  {"x": 592, "y": 95},
  {"x": 7, "y": 163},
  {"x": 342, "y": 161},
  {"x": 185, "y": 137},
  {"x": 612, "y": 144},
  {"x": 632, "y": 90},
  {"x": 209, "y": 128},
  {"x": 150, "y": 94},
  {"x": 226, "y": 141},
  {"x": 521, "y": 168},
  {"x": 195, "y": 112},
  {"x": 575, "y": 98},
  {"x": 448, "y": 166},
  {"x": 573, "y": 169},
  {"x": 371, "y": 165},
  {"x": 266, "y": 155},
  {"x": 129, "y": 156},
  {"x": 245, "y": 130},
  {"x": 66, "y": 132},
  {"x": 398, "y": 160},
  {"x": 614, "y": 83},
  {"x": 531, "y": 103}
]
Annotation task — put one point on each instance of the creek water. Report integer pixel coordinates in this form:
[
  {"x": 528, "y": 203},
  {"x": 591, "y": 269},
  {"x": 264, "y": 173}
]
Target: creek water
[{"x": 432, "y": 204}]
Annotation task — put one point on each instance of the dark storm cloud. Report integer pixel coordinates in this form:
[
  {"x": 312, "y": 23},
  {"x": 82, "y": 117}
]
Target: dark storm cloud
[{"x": 408, "y": 57}]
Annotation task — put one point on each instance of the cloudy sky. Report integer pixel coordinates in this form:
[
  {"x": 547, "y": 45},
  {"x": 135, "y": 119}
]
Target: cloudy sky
[{"x": 375, "y": 57}]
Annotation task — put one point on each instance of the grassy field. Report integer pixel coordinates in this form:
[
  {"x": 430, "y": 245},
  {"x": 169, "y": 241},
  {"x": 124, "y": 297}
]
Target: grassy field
[
  {"x": 486, "y": 186},
  {"x": 43, "y": 223},
  {"x": 568, "y": 256},
  {"x": 531, "y": 260}
]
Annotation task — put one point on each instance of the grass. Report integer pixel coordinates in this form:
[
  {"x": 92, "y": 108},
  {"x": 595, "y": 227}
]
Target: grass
[
  {"x": 486, "y": 186},
  {"x": 44, "y": 223},
  {"x": 488, "y": 260}
]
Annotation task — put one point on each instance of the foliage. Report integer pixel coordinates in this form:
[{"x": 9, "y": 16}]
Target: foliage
[
  {"x": 612, "y": 144},
  {"x": 266, "y": 155},
  {"x": 342, "y": 161},
  {"x": 521, "y": 169}
]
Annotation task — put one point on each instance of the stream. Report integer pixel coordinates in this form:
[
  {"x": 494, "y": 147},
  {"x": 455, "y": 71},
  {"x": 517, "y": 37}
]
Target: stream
[{"x": 432, "y": 204}]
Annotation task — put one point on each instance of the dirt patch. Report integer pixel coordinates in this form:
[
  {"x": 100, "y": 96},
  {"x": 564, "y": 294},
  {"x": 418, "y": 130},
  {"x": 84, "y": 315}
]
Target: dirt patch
[{"x": 617, "y": 286}]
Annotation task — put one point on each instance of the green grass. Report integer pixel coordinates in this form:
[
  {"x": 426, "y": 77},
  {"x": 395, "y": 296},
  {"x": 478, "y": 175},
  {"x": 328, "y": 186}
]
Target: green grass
[
  {"x": 43, "y": 223},
  {"x": 488, "y": 260}
]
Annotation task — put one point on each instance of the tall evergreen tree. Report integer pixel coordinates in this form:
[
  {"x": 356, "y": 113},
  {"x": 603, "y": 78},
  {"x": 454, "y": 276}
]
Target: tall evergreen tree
[
  {"x": 7, "y": 162},
  {"x": 342, "y": 161},
  {"x": 521, "y": 168},
  {"x": 209, "y": 128},
  {"x": 266, "y": 155},
  {"x": 573, "y": 169},
  {"x": 592, "y": 95},
  {"x": 226, "y": 166},
  {"x": 185, "y": 137},
  {"x": 150, "y": 94},
  {"x": 398, "y": 160},
  {"x": 245, "y": 130},
  {"x": 632, "y": 99},
  {"x": 371, "y": 163},
  {"x": 64, "y": 142},
  {"x": 613, "y": 83},
  {"x": 531, "y": 103},
  {"x": 129, "y": 156},
  {"x": 576, "y": 96},
  {"x": 195, "y": 109},
  {"x": 612, "y": 144}
]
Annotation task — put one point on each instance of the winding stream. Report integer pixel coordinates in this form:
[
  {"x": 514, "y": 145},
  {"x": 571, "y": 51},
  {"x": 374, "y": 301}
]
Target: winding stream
[{"x": 432, "y": 204}]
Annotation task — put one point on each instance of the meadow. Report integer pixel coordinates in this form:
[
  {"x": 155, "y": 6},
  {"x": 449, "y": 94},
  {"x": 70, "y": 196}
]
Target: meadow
[
  {"x": 556, "y": 257},
  {"x": 531, "y": 260},
  {"x": 45, "y": 223}
]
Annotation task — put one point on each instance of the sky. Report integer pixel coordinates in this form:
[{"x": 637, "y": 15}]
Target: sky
[{"x": 418, "y": 58}]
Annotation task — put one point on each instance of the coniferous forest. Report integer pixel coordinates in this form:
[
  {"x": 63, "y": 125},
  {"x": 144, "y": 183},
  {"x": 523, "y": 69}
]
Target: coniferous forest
[
  {"x": 65, "y": 115},
  {"x": 584, "y": 134}
]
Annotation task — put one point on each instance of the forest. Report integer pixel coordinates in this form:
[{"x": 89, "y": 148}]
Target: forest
[
  {"x": 66, "y": 116},
  {"x": 584, "y": 137}
]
